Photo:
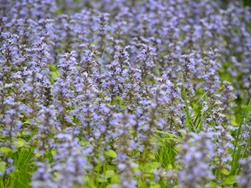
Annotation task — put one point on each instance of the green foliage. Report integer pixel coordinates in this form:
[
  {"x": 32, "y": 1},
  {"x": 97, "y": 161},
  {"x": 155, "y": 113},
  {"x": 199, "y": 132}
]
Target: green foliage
[
  {"x": 111, "y": 153},
  {"x": 2, "y": 167},
  {"x": 24, "y": 167},
  {"x": 230, "y": 180},
  {"x": 53, "y": 73},
  {"x": 167, "y": 150},
  {"x": 242, "y": 113},
  {"x": 246, "y": 3},
  {"x": 188, "y": 116},
  {"x": 117, "y": 100}
]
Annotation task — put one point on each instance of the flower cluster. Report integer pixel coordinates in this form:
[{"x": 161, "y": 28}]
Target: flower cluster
[
  {"x": 244, "y": 177},
  {"x": 198, "y": 153}
]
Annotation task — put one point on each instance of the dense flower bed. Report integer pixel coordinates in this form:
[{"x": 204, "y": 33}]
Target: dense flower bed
[{"x": 125, "y": 93}]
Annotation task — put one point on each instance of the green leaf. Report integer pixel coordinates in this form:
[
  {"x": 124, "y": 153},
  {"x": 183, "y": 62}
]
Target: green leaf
[
  {"x": 118, "y": 101},
  {"x": 187, "y": 111},
  {"x": 213, "y": 184},
  {"x": 37, "y": 155},
  {"x": 84, "y": 143},
  {"x": 53, "y": 73},
  {"x": 2, "y": 167},
  {"x": 93, "y": 44},
  {"x": 59, "y": 11},
  {"x": 230, "y": 180},
  {"x": 115, "y": 179},
  {"x": 5, "y": 150},
  {"x": 225, "y": 171},
  {"x": 155, "y": 185},
  {"x": 151, "y": 166},
  {"x": 169, "y": 136},
  {"x": 26, "y": 122},
  {"x": 102, "y": 179},
  {"x": 19, "y": 142},
  {"x": 109, "y": 173},
  {"x": 111, "y": 153}
]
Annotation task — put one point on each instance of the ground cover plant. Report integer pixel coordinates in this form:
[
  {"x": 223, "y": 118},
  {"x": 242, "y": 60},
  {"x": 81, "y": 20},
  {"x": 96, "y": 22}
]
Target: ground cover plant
[{"x": 125, "y": 93}]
